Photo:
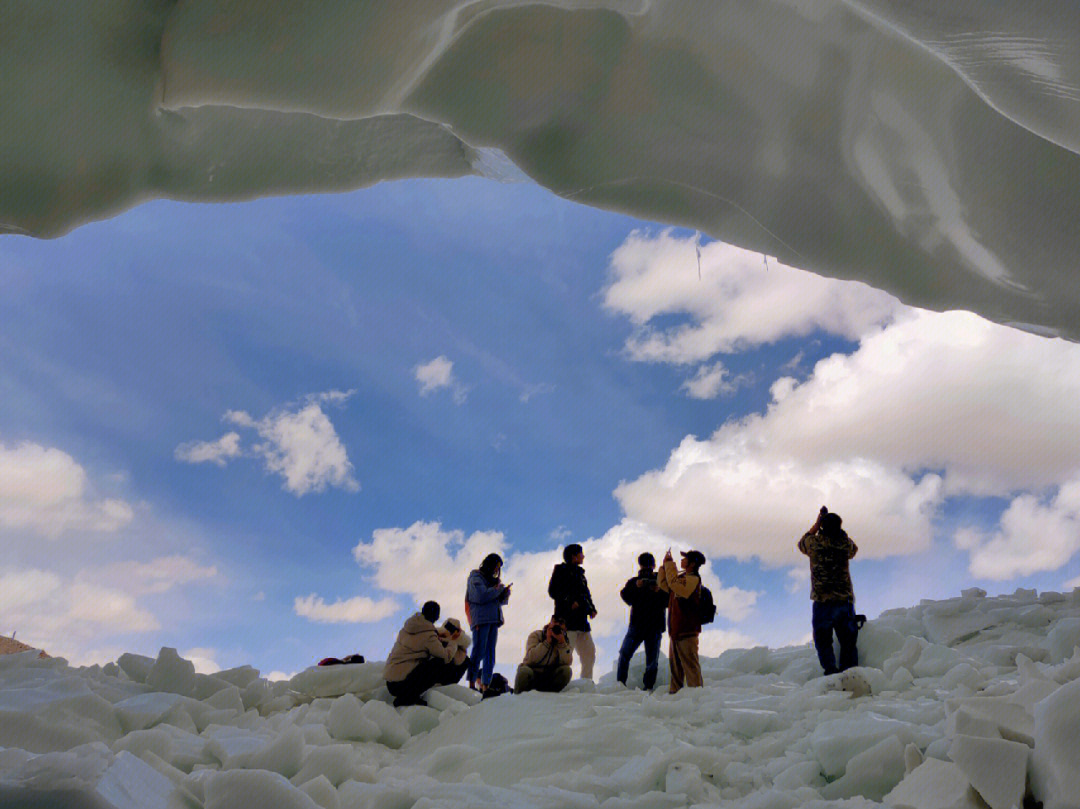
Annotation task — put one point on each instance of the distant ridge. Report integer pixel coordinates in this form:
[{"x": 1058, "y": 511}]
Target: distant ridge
[{"x": 10, "y": 646}]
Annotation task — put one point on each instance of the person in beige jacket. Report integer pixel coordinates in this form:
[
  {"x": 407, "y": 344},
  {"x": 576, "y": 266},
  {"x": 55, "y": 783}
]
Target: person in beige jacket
[
  {"x": 424, "y": 656},
  {"x": 684, "y": 617},
  {"x": 548, "y": 656}
]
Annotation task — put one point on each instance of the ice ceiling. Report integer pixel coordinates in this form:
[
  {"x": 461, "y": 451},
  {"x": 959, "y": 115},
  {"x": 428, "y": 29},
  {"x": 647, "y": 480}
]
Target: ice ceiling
[{"x": 927, "y": 148}]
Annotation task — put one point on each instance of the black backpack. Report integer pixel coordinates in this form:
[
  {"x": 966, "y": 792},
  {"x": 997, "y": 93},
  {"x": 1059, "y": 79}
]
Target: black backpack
[
  {"x": 497, "y": 687},
  {"x": 706, "y": 606}
]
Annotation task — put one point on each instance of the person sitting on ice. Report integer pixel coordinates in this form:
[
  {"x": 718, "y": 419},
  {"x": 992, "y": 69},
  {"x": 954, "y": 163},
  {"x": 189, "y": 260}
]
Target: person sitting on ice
[
  {"x": 548, "y": 656},
  {"x": 451, "y": 633},
  {"x": 684, "y": 617},
  {"x": 830, "y": 548},
  {"x": 648, "y": 605},
  {"x": 420, "y": 658}
]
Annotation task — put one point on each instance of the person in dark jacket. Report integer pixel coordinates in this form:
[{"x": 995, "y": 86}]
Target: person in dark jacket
[
  {"x": 648, "y": 606},
  {"x": 684, "y": 617},
  {"x": 485, "y": 596},
  {"x": 830, "y": 548},
  {"x": 574, "y": 605}
]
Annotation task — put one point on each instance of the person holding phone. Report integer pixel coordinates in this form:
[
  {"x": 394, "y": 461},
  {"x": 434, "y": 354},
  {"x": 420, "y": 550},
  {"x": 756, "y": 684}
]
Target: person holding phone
[{"x": 485, "y": 595}]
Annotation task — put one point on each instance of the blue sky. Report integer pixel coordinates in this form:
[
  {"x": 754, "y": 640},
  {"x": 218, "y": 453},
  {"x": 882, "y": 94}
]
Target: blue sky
[{"x": 558, "y": 409}]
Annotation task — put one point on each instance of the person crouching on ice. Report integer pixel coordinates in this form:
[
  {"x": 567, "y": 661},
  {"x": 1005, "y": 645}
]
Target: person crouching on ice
[
  {"x": 830, "y": 548},
  {"x": 647, "y": 608},
  {"x": 548, "y": 656},
  {"x": 684, "y": 617},
  {"x": 421, "y": 659}
]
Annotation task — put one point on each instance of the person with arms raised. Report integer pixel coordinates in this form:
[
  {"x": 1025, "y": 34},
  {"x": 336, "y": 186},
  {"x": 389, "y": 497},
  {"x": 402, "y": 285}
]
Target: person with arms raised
[
  {"x": 684, "y": 617},
  {"x": 648, "y": 605},
  {"x": 830, "y": 549}
]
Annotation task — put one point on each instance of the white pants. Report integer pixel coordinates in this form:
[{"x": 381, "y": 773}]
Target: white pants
[{"x": 581, "y": 643}]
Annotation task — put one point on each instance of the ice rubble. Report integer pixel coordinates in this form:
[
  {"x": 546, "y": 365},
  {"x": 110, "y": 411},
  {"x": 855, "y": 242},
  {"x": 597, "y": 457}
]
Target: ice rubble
[
  {"x": 968, "y": 703},
  {"x": 930, "y": 149}
]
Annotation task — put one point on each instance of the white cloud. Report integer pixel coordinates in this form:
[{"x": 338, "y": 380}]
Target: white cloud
[
  {"x": 1034, "y": 535},
  {"x": 277, "y": 676},
  {"x": 1072, "y": 583},
  {"x": 156, "y": 576},
  {"x": 560, "y": 533},
  {"x": 298, "y": 442},
  {"x": 357, "y": 610},
  {"x": 62, "y": 615},
  {"x": 216, "y": 452},
  {"x": 734, "y": 304},
  {"x": 798, "y": 579},
  {"x": 715, "y": 641},
  {"x": 45, "y": 490},
  {"x": 438, "y": 374},
  {"x": 711, "y": 381},
  {"x": 203, "y": 659},
  {"x": 929, "y": 407}
]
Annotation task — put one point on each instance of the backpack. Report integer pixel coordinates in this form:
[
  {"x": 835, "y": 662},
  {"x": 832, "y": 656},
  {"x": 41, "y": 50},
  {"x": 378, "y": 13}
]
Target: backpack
[
  {"x": 497, "y": 687},
  {"x": 706, "y": 606}
]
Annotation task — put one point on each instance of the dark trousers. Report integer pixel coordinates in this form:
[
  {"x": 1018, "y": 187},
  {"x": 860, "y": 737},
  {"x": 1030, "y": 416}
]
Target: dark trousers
[
  {"x": 427, "y": 674},
  {"x": 838, "y": 617},
  {"x": 634, "y": 638}
]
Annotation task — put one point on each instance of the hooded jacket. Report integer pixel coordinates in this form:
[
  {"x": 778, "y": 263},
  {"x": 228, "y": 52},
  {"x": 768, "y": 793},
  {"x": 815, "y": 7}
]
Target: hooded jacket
[
  {"x": 540, "y": 653},
  {"x": 484, "y": 600},
  {"x": 417, "y": 641},
  {"x": 567, "y": 585}
]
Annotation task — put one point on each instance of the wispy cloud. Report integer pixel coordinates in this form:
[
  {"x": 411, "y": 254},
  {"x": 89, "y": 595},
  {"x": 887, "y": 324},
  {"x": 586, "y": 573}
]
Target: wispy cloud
[{"x": 356, "y": 610}]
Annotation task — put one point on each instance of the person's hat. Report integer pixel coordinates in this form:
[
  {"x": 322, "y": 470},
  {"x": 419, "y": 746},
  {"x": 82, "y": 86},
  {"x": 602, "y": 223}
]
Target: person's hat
[
  {"x": 452, "y": 625},
  {"x": 697, "y": 557}
]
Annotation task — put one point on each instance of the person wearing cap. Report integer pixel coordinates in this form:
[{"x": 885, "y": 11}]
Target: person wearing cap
[
  {"x": 457, "y": 641},
  {"x": 684, "y": 617},
  {"x": 648, "y": 607},
  {"x": 420, "y": 658},
  {"x": 830, "y": 549}
]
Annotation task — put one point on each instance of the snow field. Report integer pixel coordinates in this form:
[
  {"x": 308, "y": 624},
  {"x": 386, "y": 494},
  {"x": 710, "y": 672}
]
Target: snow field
[{"x": 970, "y": 702}]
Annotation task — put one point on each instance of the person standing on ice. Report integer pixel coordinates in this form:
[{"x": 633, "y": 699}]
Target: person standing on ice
[
  {"x": 574, "y": 605},
  {"x": 684, "y": 617},
  {"x": 648, "y": 604},
  {"x": 420, "y": 658},
  {"x": 485, "y": 595},
  {"x": 548, "y": 657},
  {"x": 830, "y": 548}
]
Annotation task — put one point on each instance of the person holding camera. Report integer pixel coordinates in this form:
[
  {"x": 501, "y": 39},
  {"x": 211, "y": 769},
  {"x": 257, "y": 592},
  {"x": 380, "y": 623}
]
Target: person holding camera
[
  {"x": 648, "y": 609},
  {"x": 548, "y": 656},
  {"x": 830, "y": 549},
  {"x": 684, "y": 617},
  {"x": 569, "y": 590}
]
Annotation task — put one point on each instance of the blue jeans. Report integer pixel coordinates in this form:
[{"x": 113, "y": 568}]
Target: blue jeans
[
  {"x": 839, "y": 617},
  {"x": 485, "y": 636},
  {"x": 634, "y": 638}
]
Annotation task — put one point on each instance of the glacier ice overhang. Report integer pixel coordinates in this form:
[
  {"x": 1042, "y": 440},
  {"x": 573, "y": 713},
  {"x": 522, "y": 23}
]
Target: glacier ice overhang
[{"x": 927, "y": 148}]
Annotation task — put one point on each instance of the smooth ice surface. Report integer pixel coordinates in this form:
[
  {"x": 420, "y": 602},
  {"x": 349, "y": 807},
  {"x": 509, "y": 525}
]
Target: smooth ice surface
[
  {"x": 927, "y": 148},
  {"x": 766, "y": 731}
]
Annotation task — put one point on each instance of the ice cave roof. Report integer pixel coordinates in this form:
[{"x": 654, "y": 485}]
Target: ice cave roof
[{"x": 926, "y": 148}]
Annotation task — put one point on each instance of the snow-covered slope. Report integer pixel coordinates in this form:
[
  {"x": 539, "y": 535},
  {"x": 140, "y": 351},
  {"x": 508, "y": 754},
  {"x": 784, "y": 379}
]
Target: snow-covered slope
[
  {"x": 969, "y": 702},
  {"x": 927, "y": 148}
]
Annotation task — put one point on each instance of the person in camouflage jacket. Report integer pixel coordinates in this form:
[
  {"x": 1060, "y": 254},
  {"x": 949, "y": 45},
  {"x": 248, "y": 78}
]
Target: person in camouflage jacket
[{"x": 830, "y": 548}]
